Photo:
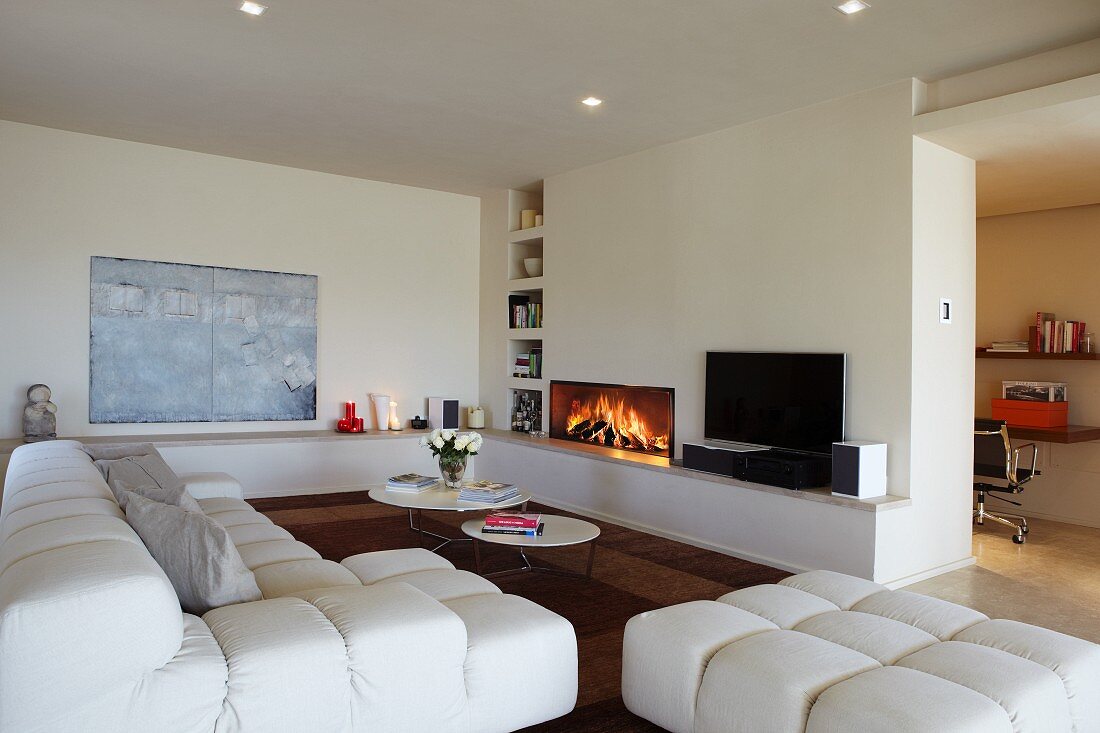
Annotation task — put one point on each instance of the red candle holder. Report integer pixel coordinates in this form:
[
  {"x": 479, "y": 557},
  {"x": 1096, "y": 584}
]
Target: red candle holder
[{"x": 350, "y": 423}]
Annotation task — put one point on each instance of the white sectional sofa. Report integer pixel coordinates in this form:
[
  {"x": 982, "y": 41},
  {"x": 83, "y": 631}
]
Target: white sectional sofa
[
  {"x": 823, "y": 652},
  {"x": 92, "y": 637}
]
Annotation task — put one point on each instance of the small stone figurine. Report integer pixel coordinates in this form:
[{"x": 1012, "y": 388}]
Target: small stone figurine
[{"x": 39, "y": 416}]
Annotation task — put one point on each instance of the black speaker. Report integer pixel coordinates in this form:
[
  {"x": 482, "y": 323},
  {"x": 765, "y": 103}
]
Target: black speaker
[{"x": 709, "y": 460}]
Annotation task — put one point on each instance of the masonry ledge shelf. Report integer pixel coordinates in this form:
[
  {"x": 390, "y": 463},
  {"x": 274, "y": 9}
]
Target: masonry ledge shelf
[
  {"x": 189, "y": 440},
  {"x": 652, "y": 463}
]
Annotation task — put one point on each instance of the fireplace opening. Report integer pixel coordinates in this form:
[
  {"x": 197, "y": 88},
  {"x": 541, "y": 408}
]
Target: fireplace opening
[{"x": 614, "y": 416}]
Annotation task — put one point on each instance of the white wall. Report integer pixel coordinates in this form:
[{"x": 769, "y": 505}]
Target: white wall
[
  {"x": 397, "y": 266},
  {"x": 1044, "y": 260},
  {"x": 795, "y": 232},
  {"x": 935, "y": 531}
]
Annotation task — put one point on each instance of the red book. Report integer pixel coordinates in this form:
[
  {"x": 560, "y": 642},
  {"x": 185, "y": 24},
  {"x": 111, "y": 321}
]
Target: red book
[{"x": 512, "y": 519}]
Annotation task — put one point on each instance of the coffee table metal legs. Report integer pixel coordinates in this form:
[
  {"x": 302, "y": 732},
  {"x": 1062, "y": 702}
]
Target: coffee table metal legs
[
  {"x": 527, "y": 567},
  {"x": 419, "y": 528}
]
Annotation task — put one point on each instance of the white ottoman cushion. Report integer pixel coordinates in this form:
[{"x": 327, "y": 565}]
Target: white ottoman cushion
[
  {"x": 223, "y": 504},
  {"x": 445, "y": 585},
  {"x": 882, "y": 639},
  {"x": 1075, "y": 661},
  {"x": 769, "y": 681},
  {"x": 1031, "y": 694},
  {"x": 238, "y": 517},
  {"x": 842, "y": 590},
  {"x": 246, "y": 534},
  {"x": 899, "y": 700},
  {"x": 258, "y": 554},
  {"x": 371, "y": 567},
  {"x": 511, "y": 639},
  {"x": 784, "y": 606},
  {"x": 211, "y": 484},
  {"x": 290, "y": 578},
  {"x": 666, "y": 652},
  {"x": 939, "y": 618}
]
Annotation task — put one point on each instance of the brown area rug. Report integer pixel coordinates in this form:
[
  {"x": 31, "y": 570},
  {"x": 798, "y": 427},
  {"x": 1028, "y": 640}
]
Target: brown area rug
[{"x": 633, "y": 572}]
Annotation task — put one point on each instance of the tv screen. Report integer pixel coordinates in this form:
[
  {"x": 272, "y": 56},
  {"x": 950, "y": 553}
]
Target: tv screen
[{"x": 790, "y": 401}]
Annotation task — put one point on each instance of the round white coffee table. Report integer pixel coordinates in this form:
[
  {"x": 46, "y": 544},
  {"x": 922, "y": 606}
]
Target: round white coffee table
[
  {"x": 438, "y": 499},
  {"x": 557, "y": 532}
]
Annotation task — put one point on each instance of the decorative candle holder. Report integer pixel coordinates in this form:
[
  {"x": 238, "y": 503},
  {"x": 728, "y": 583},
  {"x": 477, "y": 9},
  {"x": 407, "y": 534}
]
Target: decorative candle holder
[{"x": 350, "y": 423}]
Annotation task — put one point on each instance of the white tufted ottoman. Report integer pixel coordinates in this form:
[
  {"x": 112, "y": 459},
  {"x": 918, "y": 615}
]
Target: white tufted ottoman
[{"x": 823, "y": 651}]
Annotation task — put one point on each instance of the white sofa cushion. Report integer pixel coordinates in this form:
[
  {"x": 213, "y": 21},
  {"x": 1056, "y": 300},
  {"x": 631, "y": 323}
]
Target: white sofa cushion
[
  {"x": 1030, "y": 693},
  {"x": 288, "y": 669},
  {"x": 666, "y": 652},
  {"x": 393, "y": 634},
  {"x": 899, "y": 700},
  {"x": 64, "y": 641},
  {"x": 511, "y": 638},
  {"x": 1075, "y": 661}
]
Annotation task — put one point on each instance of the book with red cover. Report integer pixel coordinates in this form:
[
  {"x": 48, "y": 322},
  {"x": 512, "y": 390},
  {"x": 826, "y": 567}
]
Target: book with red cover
[{"x": 513, "y": 519}]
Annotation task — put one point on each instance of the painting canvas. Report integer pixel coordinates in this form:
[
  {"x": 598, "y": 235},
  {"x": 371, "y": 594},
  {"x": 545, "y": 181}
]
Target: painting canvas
[{"x": 188, "y": 343}]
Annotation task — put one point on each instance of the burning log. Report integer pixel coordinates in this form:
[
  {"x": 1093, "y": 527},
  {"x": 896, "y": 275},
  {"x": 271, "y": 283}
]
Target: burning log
[
  {"x": 580, "y": 427},
  {"x": 609, "y": 437}
]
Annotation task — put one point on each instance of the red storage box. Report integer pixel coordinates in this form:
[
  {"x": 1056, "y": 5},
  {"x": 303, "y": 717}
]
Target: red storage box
[{"x": 1025, "y": 414}]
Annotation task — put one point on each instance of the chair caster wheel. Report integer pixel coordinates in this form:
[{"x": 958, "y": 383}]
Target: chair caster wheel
[
  {"x": 1024, "y": 530},
  {"x": 1019, "y": 539}
]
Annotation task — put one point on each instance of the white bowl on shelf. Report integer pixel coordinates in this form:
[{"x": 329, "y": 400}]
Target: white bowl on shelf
[{"x": 533, "y": 265}]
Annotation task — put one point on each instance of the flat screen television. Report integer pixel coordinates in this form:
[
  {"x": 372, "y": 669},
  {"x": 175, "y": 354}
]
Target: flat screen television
[{"x": 789, "y": 401}]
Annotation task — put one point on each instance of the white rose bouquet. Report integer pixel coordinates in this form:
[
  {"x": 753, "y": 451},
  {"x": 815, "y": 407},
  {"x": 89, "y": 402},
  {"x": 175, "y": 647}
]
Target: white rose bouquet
[{"x": 452, "y": 449}]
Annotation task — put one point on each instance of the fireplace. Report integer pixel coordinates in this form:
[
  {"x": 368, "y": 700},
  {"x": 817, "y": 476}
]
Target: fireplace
[{"x": 614, "y": 416}]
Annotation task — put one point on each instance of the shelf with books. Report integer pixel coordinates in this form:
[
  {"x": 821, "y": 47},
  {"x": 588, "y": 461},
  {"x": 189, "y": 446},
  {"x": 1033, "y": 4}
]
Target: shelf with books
[{"x": 981, "y": 353}]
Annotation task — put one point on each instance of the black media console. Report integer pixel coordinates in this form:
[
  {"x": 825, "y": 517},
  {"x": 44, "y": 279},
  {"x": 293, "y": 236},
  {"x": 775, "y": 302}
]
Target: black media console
[{"x": 773, "y": 467}]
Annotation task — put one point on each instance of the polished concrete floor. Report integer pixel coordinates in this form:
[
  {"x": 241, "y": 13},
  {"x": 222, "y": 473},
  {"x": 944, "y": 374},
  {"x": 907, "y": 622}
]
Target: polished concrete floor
[{"x": 1052, "y": 581}]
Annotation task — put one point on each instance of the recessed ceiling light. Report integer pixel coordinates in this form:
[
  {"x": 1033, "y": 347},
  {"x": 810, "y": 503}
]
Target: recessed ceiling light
[
  {"x": 252, "y": 8},
  {"x": 852, "y": 7},
  {"x": 592, "y": 101}
]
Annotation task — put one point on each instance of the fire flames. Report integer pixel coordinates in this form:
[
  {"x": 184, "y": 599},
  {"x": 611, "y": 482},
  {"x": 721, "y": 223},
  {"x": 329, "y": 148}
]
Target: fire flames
[{"x": 612, "y": 424}]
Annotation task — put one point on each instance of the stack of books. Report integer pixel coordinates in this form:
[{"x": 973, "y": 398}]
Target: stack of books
[
  {"x": 528, "y": 364},
  {"x": 412, "y": 483},
  {"x": 487, "y": 492},
  {"x": 518, "y": 523},
  {"x": 1008, "y": 346}
]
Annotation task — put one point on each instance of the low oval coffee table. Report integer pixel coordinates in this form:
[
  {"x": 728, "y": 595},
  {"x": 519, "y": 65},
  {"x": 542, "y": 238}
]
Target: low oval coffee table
[
  {"x": 438, "y": 499},
  {"x": 557, "y": 532}
]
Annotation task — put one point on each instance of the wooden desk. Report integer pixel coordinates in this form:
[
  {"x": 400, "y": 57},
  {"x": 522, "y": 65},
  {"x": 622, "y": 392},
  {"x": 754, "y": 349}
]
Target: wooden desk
[{"x": 1068, "y": 434}]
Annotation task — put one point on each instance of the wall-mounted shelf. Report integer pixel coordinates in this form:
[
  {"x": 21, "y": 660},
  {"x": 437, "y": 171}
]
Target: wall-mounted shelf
[
  {"x": 525, "y": 333},
  {"x": 522, "y": 236},
  {"x": 982, "y": 354},
  {"x": 526, "y": 383},
  {"x": 524, "y": 284}
]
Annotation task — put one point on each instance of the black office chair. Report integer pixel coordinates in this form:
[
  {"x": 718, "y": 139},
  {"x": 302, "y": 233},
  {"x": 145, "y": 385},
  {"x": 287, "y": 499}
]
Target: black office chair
[{"x": 994, "y": 457}]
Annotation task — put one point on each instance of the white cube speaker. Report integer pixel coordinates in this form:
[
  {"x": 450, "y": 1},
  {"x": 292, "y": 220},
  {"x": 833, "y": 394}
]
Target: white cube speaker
[
  {"x": 859, "y": 469},
  {"x": 442, "y": 413}
]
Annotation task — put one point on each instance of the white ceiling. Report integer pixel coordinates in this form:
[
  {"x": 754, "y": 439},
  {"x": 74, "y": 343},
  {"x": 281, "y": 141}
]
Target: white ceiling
[
  {"x": 467, "y": 94},
  {"x": 1045, "y": 158}
]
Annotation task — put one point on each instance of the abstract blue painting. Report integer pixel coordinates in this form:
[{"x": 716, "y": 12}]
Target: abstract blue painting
[{"x": 187, "y": 343}]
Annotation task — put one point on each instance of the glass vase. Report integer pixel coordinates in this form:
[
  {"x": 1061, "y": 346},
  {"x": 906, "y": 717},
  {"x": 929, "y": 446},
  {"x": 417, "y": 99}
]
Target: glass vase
[{"x": 452, "y": 471}]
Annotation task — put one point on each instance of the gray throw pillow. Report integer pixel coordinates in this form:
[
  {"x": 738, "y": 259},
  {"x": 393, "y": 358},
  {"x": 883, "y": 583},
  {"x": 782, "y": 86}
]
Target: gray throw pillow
[
  {"x": 116, "y": 451},
  {"x": 135, "y": 471},
  {"x": 195, "y": 552},
  {"x": 176, "y": 496}
]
